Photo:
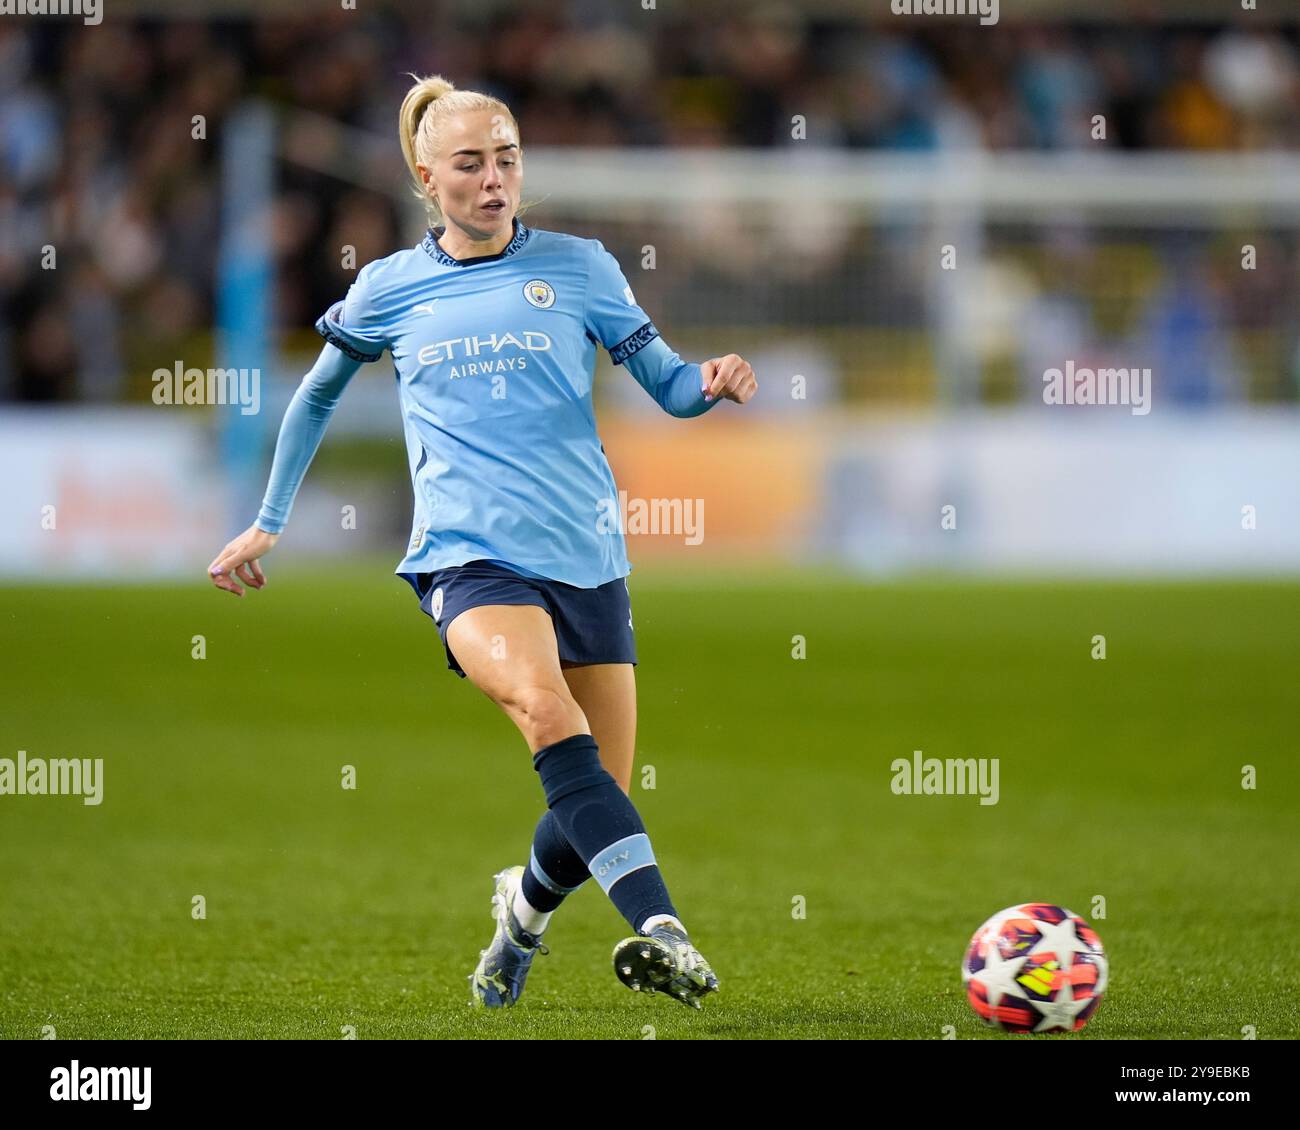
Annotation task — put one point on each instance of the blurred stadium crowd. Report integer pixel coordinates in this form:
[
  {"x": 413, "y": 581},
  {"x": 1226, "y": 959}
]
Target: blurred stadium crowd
[{"x": 97, "y": 157}]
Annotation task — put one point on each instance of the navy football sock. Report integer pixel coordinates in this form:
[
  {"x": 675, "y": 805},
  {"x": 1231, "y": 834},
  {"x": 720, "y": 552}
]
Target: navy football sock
[
  {"x": 603, "y": 827},
  {"x": 554, "y": 868}
]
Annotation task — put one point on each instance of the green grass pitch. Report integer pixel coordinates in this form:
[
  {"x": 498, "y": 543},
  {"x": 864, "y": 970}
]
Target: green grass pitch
[{"x": 328, "y": 908}]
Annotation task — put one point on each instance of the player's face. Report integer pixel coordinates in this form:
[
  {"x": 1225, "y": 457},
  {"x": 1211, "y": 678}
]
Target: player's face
[{"x": 480, "y": 163}]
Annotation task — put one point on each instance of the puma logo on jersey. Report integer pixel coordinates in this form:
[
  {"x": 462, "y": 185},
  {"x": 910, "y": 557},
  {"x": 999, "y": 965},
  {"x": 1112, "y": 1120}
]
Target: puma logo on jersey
[{"x": 424, "y": 308}]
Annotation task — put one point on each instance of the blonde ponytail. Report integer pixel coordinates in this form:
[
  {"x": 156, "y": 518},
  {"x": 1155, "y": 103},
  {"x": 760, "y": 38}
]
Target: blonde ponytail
[{"x": 427, "y": 104}]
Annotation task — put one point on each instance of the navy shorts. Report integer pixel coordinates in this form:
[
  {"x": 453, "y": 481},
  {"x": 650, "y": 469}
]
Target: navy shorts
[{"x": 591, "y": 625}]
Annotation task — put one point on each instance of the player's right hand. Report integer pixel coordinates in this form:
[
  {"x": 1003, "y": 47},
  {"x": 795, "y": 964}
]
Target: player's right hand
[{"x": 238, "y": 561}]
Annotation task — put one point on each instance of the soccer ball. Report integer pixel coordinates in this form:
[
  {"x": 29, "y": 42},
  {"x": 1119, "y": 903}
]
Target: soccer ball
[{"x": 1035, "y": 968}]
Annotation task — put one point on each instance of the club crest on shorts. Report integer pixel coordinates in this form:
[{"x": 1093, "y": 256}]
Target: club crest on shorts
[
  {"x": 539, "y": 293},
  {"x": 435, "y": 605}
]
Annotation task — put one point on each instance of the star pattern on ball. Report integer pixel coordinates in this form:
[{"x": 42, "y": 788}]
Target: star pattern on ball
[
  {"x": 1061, "y": 939},
  {"x": 1061, "y": 1011},
  {"x": 999, "y": 974}
]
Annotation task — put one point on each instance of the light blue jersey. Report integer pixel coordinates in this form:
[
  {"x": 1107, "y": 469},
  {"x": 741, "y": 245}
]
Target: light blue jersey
[{"x": 494, "y": 358}]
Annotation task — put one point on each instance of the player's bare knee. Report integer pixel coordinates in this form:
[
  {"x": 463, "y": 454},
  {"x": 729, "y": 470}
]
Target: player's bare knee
[{"x": 544, "y": 714}]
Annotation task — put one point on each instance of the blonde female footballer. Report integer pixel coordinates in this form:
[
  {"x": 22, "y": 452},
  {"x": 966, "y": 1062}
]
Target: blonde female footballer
[{"x": 493, "y": 329}]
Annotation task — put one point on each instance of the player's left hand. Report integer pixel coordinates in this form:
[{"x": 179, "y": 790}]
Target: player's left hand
[{"x": 729, "y": 377}]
